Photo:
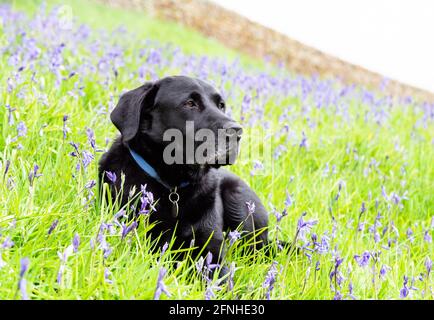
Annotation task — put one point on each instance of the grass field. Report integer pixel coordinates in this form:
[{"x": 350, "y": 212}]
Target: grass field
[{"x": 352, "y": 169}]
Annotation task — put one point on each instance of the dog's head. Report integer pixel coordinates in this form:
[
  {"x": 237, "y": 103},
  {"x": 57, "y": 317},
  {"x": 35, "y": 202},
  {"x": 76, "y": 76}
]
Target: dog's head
[{"x": 182, "y": 118}]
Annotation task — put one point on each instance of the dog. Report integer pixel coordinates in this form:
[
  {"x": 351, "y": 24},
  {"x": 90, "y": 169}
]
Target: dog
[{"x": 196, "y": 201}]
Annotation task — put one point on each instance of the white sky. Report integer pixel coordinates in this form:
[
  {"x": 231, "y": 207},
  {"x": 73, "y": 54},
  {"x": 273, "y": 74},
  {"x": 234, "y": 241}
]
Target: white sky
[{"x": 392, "y": 37}]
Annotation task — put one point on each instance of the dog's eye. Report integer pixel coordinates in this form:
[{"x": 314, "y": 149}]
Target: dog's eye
[
  {"x": 190, "y": 104},
  {"x": 222, "y": 105}
]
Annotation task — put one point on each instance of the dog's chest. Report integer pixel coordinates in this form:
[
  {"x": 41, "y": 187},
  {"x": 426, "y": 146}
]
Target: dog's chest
[{"x": 190, "y": 213}]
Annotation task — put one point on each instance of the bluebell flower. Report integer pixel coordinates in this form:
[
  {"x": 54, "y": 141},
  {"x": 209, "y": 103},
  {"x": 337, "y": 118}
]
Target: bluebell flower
[
  {"x": 251, "y": 207},
  {"x": 65, "y": 127},
  {"x": 410, "y": 234},
  {"x": 383, "y": 271},
  {"x": 363, "y": 260},
  {"x": 428, "y": 266},
  {"x": 90, "y": 184},
  {"x": 404, "y": 292},
  {"x": 111, "y": 176},
  {"x": 161, "y": 287},
  {"x": 270, "y": 280},
  {"x": 76, "y": 242},
  {"x": 87, "y": 158},
  {"x": 91, "y": 138},
  {"x": 34, "y": 174},
  {"x": 7, "y": 166},
  {"x": 427, "y": 236},
  {"x": 21, "y": 129},
  {"x": 53, "y": 226},
  {"x": 127, "y": 229},
  {"x": 233, "y": 237},
  {"x": 22, "y": 283},
  {"x": 107, "y": 275},
  {"x": 7, "y": 243}
]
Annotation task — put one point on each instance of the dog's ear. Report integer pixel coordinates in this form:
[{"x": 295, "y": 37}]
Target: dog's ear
[{"x": 126, "y": 115}]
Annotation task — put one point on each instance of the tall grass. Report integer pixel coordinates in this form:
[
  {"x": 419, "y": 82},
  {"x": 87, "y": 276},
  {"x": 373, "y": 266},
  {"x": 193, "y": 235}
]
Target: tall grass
[{"x": 357, "y": 165}]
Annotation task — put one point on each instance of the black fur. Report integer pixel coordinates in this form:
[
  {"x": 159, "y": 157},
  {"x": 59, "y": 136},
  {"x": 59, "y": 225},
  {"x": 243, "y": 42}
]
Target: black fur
[{"x": 215, "y": 200}]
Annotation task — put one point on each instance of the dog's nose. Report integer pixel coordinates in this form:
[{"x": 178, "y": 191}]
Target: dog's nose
[{"x": 233, "y": 129}]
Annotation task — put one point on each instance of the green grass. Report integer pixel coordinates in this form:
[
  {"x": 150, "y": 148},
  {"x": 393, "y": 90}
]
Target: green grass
[
  {"x": 100, "y": 16},
  {"x": 345, "y": 135}
]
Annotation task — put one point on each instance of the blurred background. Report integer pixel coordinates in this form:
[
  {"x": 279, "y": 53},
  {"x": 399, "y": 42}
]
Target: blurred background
[
  {"x": 383, "y": 44},
  {"x": 387, "y": 36}
]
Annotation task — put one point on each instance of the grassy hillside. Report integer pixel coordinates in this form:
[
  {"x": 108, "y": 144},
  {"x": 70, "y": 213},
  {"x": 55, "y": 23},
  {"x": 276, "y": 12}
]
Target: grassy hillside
[
  {"x": 352, "y": 170},
  {"x": 99, "y": 16}
]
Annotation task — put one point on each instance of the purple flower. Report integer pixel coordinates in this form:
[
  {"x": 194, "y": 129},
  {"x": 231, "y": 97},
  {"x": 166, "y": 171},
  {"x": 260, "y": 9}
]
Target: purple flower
[
  {"x": 384, "y": 193},
  {"x": 60, "y": 273},
  {"x": 22, "y": 283},
  {"x": 279, "y": 216},
  {"x": 270, "y": 280},
  {"x": 363, "y": 208},
  {"x": 87, "y": 158},
  {"x": 303, "y": 143},
  {"x": 8, "y": 163},
  {"x": 10, "y": 114},
  {"x": 111, "y": 176},
  {"x": 208, "y": 262},
  {"x": 428, "y": 266},
  {"x": 335, "y": 276},
  {"x": 53, "y": 226},
  {"x": 341, "y": 184},
  {"x": 322, "y": 247},
  {"x": 107, "y": 275},
  {"x": 76, "y": 152},
  {"x": 403, "y": 293},
  {"x": 126, "y": 230},
  {"x": 233, "y": 237},
  {"x": 146, "y": 201},
  {"x": 350, "y": 291},
  {"x": 161, "y": 287},
  {"x": 21, "y": 129},
  {"x": 251, "y": 207},
  {"x": 210, "y": 291},
  {"x": 257, "y": 166},
  {"x": 164, "y": 249},
  {"x": 34, "y": 174},
  {"x": 427, "y": 236},
  {"x": 301, "y": 224},
  {"x": 76, "y": 242},
  {"x": 24, "y": 266},
  {"x": 304, "y": 226},
  {"x": 120, "y": 214},
  {"x": 91, "y": 138},
  {"x": 90, "y": 184},
  {"x": 383, "y": 271},
  {"x": 338, "y": 295},
  {"x": 103, "y": 244},
  {"x": 8, "y": 243},
  {"x": 65, "y": 127},
  {"x": 363, "y": 260},
  {"x": 410, "y": 234},
  {"x": 288, "y": 201},
  {"x": 396, "y": 199}
]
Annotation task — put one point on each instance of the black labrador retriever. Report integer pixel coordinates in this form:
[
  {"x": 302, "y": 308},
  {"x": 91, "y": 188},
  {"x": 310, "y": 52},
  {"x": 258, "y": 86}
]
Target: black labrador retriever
[{"x": 196, "y": 201}]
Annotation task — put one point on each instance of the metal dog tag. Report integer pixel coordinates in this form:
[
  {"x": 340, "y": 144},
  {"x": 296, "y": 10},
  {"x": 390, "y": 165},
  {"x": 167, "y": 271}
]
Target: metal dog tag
[{"x": 174, "y": 198}]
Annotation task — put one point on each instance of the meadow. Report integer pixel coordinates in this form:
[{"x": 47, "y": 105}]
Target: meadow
[{"x": 346, "y": 172}]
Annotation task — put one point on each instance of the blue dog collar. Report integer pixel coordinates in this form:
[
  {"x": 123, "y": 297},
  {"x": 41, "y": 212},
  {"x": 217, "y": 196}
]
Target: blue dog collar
[{"x": 150, "y": 171}]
